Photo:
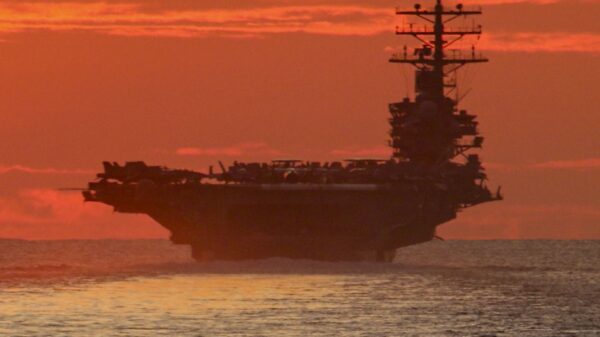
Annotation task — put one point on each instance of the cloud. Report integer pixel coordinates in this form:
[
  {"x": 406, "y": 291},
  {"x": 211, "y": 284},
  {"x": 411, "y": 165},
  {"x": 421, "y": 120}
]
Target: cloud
[
  {"x": 529, "y": 42},
  {"x": 504, "y": 2},
  {"x": 578, "y": 165},
  {"x": 371, "y": 152},
  {"x": 43, "y": 206},
  {"x": 50, "y": 214},
  {"x": 48, "y": 170},
  {"x": 541, "y": 42},
  {"x": 499, "y": 166},
  {"x": 138, "y": 19},
  {"x": 239, "y": 150},
  {"x": 132, "y": 20},
  {"x": 582, "y": 164},
  {"x": 506, "y": 220}
]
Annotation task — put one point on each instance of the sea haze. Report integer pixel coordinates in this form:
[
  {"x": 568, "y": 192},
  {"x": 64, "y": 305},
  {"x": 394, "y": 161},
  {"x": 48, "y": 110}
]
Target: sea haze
[{"x": 153, "y": 288}]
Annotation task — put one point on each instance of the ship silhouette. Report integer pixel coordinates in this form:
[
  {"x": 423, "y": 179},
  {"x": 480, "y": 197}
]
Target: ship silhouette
[{"x": 359, "y": 209}]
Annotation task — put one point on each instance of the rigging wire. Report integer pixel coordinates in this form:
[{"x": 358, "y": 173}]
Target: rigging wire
[{"x": 403, "y": 71}]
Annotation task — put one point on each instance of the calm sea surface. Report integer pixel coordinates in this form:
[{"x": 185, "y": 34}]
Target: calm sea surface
[{"x": 153, "y": 288}]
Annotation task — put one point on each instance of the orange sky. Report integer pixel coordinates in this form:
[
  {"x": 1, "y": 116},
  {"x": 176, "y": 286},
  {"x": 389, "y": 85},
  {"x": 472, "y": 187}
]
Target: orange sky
[{"x": 185, "y": 83}]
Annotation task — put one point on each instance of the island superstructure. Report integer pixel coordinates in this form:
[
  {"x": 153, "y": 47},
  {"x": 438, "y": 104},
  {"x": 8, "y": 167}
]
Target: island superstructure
[{"x": 359, "y": 209}]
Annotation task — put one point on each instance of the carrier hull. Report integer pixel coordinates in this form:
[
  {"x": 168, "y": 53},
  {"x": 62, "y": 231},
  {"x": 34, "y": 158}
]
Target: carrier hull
[{"x": 322, "y": 222}]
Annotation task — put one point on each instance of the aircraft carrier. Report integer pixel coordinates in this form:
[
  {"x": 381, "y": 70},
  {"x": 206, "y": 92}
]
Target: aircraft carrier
[{"x": 359, "y": 209}]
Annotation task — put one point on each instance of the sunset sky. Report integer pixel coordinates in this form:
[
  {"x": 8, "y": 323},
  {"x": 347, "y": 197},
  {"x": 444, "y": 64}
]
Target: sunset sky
[{"x": 185, "y": 83}]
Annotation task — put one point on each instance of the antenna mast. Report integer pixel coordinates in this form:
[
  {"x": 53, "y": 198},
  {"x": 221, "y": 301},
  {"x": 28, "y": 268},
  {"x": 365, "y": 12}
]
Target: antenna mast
[{"x": 429, "y": 130}]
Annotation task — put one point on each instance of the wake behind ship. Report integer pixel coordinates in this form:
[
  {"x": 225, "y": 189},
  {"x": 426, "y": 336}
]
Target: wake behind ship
[{"x": 360, "y": 209}]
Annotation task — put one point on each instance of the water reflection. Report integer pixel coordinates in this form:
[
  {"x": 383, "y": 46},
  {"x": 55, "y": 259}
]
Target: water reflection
[{"x": 443, "y": 289}]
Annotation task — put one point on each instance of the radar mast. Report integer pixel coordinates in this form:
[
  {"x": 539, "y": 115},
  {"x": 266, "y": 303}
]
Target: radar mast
[{"x": 430, "y": 130}]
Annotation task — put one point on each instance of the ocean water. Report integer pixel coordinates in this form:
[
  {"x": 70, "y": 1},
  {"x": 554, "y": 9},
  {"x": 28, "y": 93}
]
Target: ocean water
[{"x": 153, "y": 288}]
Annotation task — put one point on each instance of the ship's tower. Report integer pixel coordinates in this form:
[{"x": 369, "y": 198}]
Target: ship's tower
[{"x": 430, "y": 130}]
